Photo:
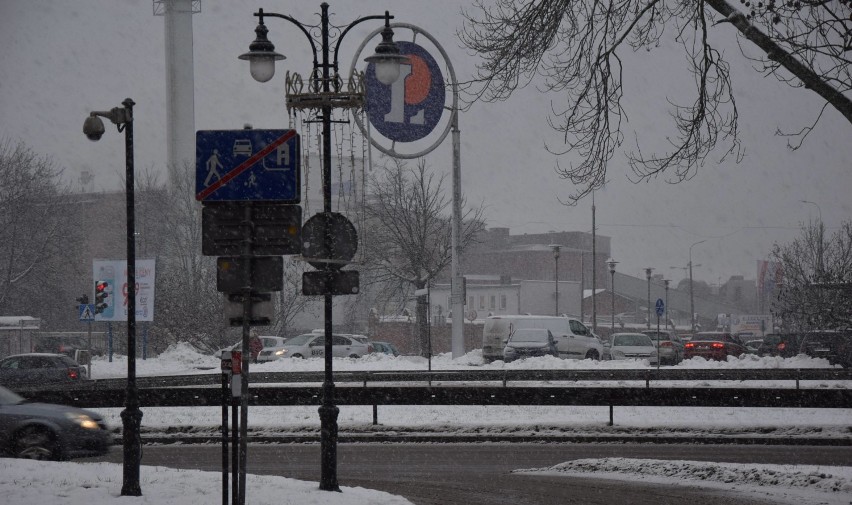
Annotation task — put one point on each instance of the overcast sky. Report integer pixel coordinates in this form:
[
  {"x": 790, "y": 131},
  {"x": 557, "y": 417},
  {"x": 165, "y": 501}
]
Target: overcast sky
[{"x": 62, "y": 59}]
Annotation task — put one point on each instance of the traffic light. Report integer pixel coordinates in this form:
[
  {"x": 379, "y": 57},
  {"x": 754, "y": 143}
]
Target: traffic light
[
  {"x": 83, "y": 300},
  {"x": 101, "y": 296}
]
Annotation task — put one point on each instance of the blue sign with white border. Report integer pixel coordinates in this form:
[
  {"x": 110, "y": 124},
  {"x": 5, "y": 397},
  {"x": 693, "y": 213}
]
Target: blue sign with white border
[
  {"x": 87, "y": 312},
  {"x": 247, "y": 165}
]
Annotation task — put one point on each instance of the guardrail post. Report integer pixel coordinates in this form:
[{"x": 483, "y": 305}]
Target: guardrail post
[
  {"x": 610, "y": 416},
  {"x": 375, "y": 414}
]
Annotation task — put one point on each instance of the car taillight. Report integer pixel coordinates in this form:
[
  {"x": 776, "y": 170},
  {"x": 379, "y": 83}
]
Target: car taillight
[
  {"x": 718, "y": 345},
  {"x": 369, "y": 348},
  {"x": 72, "y": 374},
  {"x": 782, "y": 346},
  {"x": 689, "y": 345}
]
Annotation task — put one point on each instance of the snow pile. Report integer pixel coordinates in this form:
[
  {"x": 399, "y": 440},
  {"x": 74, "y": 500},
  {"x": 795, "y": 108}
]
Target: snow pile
[
  {"x": 834, "y": 483},
  {"x": 182, "y": 358},
  {"x": 25, "y": 481}
]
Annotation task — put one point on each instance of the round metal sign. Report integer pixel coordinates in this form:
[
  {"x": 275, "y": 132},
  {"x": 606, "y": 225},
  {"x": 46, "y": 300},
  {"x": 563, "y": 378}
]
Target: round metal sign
[
  {"x": 410, "y": 108},
  {"x": 340, "y": 247}
]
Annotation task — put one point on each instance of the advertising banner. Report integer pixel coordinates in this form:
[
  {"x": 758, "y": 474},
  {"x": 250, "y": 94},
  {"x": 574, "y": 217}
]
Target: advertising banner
[{"x": 110, "y": 284}]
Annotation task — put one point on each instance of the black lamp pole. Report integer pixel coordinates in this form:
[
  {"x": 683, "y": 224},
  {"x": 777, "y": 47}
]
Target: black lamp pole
[
  {"x": 320, "y": 96},
  {"x": 131, "y": 416}
]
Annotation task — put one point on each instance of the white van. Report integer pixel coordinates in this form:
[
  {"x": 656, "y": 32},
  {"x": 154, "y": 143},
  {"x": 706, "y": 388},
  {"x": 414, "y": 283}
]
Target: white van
[{"x": 573, "y": 338}]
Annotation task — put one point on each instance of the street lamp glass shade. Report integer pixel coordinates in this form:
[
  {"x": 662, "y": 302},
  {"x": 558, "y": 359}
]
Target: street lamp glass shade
[{"x": 262, "y": 68}]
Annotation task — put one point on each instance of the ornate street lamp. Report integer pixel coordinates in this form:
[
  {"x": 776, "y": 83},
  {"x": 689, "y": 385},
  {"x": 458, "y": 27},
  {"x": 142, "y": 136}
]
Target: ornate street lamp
[
  {"x": 325, "y": 92},
  {"x": 131, "y": 416},
  {"x": 611, "y": 264},
  {"x": 691, "y": 289},
  {"x": 556, "y": 248}
]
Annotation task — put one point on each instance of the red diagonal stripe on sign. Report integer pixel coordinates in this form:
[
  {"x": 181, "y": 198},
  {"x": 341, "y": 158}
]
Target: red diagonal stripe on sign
[{"x": 242, "y": 167}]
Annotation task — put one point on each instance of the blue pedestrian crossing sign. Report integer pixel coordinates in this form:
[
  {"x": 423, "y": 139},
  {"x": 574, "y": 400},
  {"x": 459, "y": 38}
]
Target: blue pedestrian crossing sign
[
  {"x": 87, "y": 312},
  {"x": 660, "y": 307},
  {"x": 247, "y": 165}
]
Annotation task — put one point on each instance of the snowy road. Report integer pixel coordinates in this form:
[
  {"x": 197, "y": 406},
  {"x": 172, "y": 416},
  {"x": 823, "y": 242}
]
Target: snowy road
[{"x": 486, "y": 474}]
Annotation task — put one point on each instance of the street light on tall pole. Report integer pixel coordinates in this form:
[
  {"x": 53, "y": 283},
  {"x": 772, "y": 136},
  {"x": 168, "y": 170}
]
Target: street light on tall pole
[
  {"x": 692, "y": 289},
  {"x": 819, "y": 244},
  {"x": 131, "y": 416},
  {"x": 611, "y": 264},
  {"x": 325, "y": 93},
  {"x": 666, "y": 282},
  {"x": 556, "y": 248},
  {"x": 648, "y": 276}
]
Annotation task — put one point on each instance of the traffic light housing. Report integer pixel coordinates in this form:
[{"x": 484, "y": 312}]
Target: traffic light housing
[
  {"x": 83, "y": 300},
  {"x": 101, "y": 296}
]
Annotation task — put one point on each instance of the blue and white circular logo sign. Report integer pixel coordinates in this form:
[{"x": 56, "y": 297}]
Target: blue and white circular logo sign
[{"x": 410, "y": 108}]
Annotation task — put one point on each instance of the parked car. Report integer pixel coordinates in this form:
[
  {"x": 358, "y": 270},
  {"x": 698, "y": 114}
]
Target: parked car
[
  {"x": 785, "y": 345},
  {"x": 48, "y": 431},
  {"x": 713, "y": 345},
  {"x": 310, "y": 345},
  {"x": 529, "y": 342},
  {"x": 753, "y": 345},
  {"x": 835, "y": 346},
  {"x": 385, "y": 347},
  {"x": 573, "y": 338},
  {"x": 39, "y": 368},
  {"x": 272, "y": 348},
  {"x": 669, "y": 344},
  {"x": 630, "y": 346}
]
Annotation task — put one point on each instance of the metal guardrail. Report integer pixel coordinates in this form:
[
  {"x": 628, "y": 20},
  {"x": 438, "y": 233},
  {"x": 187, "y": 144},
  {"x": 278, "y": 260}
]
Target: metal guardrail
[
  {"x": 453, "y": 387},
  {"x": 504, "y": 376}
]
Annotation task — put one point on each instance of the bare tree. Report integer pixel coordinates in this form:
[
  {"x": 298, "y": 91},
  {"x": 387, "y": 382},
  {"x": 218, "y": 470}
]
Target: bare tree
[
  {"x": 409, "y": 234},
  {"x": 577, "y": 47},
  {"x": 37, "y": 233},
  {"x": 816, "y": 292}
]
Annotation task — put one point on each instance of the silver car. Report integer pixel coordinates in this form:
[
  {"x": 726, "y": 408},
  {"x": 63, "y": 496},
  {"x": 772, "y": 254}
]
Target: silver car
[
  {"x": 310, "y": 345},
  {"x": 670, "y": 345},
  {"x": 630, "y": 346}
]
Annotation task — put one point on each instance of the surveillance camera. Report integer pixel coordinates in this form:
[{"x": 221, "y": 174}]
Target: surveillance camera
[{"x": 93, "y": 128}]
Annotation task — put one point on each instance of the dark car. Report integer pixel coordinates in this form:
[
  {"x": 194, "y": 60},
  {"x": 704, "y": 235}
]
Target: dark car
[
  {"x": 530, "y": 342},
  {"x": 385, "y": 347},
  {"x": 835, "y": 346},
  {"x": 784, "y": 345},
  {"x": 39, "y": 368},
  {"x": 63, "y": 344},
  {"x": 713, "y": 345},
  {"x": 48, "y": 431}
]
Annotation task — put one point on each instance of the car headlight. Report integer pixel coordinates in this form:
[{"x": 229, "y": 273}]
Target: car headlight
[
  {"x": 82, "y": 420},
  {"x": 282, "y": 352}
]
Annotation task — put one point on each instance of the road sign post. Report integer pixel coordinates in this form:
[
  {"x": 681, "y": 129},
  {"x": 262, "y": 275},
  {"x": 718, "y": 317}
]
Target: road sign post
[{"x": 660, "y": 309}]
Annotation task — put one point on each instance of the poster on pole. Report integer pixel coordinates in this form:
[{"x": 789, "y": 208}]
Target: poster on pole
[{"x": 110, "y": 285}]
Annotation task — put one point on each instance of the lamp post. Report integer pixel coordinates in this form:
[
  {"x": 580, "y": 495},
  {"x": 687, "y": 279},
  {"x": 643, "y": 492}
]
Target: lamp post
[
  {"x": 666, "y": 282},
  {"x": 611, "y": 263},
  {"x": 325, "y": 94},
  {"x": 648, "y": 276},
  {"x": 556, "y": 248},
  {"x": 692, "y": 289},
  {"x": 131, "y": 416},
  {"x": 819, "y": 244}
]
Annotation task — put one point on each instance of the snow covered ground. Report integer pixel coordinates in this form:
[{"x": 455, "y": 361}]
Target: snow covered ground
[{"x": 95, "y": 483}]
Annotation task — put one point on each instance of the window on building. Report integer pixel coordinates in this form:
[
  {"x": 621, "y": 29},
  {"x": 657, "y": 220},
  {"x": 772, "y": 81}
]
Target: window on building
[
  {"x": 482, "y": 301},
  {"x": 503, "y": 302},
  {"x": 470, "y": 301},
  {"x": 492, "y": 302}
]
